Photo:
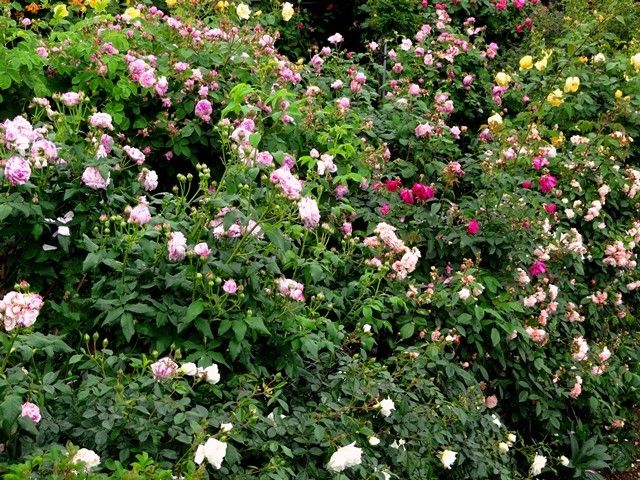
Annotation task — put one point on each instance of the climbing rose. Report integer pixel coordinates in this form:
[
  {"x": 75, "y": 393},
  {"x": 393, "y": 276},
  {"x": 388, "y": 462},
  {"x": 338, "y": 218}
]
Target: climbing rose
[
  {"x": 177, "y": 246},
  {"x": 547, "y": 183},
  {"x": 309, "y": 212},
  {"x": 92, "y": 178},
  {"x": 213, "y": 450},
  {"x": 88, "y": 457},
  {"x": 473, "y": 227},
  {"x": 164, "y": 368},
  {"x": 537, "y": 268}
]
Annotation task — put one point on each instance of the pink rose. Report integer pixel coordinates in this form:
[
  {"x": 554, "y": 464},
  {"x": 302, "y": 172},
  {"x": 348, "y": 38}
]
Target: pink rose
[
  {"x": 473, "y": 227},
  {"x": 17, "y": 171},
  {"x": 31, "y": 410},
  {"x": 407, "y": 196},
  {"x": 230, "y": 286}
]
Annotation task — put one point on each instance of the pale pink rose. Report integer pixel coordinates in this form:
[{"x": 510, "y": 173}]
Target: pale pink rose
[
  {"x": 31, "y": 410},
  {"x": 230, "y": 286},
  {"x": 164, "y": 368},
  {"x": 202, "y": 250},
  {"x": 92, "y": 178},
  {"x": 177, "y": 246},
  {"x": 17, "y": 171},
  {"x": 140, "y": 214}
]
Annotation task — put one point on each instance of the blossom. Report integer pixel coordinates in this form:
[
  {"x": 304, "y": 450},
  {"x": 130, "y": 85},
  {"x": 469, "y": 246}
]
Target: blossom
[
  {"x": 503, "y": 447},
  {"x": 345, "y": 457},
  {"x": 213, "y": 450},
  {"x": 148, "y": 179},
  {"x": 31, "y": 411},
  {"x": 287, "y": 11},
  {"x": 537, "y": 268},
  {"x": 203, "y": 108},
  {"x": 202, "y": 250},
  {"x": 164, "y": 368},
  {"x": 131, "y": 13},
  {"x": 473, "y": 227},
  {"x": 177, "y": 246},
  {"x": 635, "y": 62},
  {"x": 134, "y": 154},
  {"x": 60, "y": 11},
  {"x": 386, "y": 406},
  {"x": 464, "y": 293},
  {"x": 407, "y": 196},
  {"x": 71, "y": 99},
  {"x": 373, "y": 441},
  {"x": 335, "y": 38},
  {"x": 423, "y": 192},
  {"x": 564, "y": 461},
  {"x": 20, "y": 309},
  {"x": 230, "y": 286},
  {"x": 88, "y": 457},
  {"x": 190, "y": 369},
  {"x": 495, "y": 122},
  {"x": 244, "y": 12},
  {"x": 571, "y": 84},
  {"x": 309, "y": 212},
  {"x": 502, "y": 79},
  {"x": 366, "y": 328},
  {"x": 448, "y": 458},
  {"x": 140, "y": 214},
  {"x": 526, "y": 62},
  {"x": 539, "y": 462},
  {"x": 101, "y": 120},
  {"x": 17, "y": 170},
  {"x": 555, "y": 98},
  {"x": 211, "y": 374},
  {"x": 547, "y": 183},
  {"x": 226, "y": 427},
  {"x": 291, "y": 288}
]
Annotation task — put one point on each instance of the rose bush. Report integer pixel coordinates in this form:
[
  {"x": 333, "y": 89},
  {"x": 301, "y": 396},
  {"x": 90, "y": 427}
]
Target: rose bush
[{"x": 417, "y": 263}]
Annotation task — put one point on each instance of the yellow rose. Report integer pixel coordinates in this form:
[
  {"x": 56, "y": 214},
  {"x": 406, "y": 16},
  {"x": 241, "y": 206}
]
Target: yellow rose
[
  {"x": 583, "y": 59},
  {"x": 131, "y": 13},
  {"x": 571, "y": 84},
  {"x": 502, "y": 79},
  {"x": 555, "y": 98},
  {"x": 220, "y": 6},
  {"x": 618, "y": 94},
  {"x": 171, "y": 3},
  {"x": 287, "y": 11},
  {"x": 635, "y": 61},
  {"x": 99, "y": 5},
  {"x": 495, "y": 122},
  {"x": 243, "y": 11},
  {"x": 541, "y": 64},
  {"x": 60, "y": 11},
  {"x": 526, "y": 62},
  {"x": 557, "y": 140}
]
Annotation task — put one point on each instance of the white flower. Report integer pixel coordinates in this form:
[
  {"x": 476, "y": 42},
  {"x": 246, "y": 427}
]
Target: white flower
[
  {"x": 386, "y": 406},
  {"x": 373, "y": 441},
  {"x": 464, "y": 293},
  {"x": 287, "y": 11},
  {"x": 213, "y": 450},
  {"x": 448, "y": 458},
  {"x": 398, "y": 443},
  {"x": 496, "y": 420},
  {"x": 226, "y": 427},
  {"x": 539, "y": 462},
  {"x": 243, "y": 11},
  {"x": 511, "y": 437},
  {"x": 503, "y": 447},
  {"x": 366, "y": 328},
  {"x": 345, "y": 457},
  {"x": 211, "y": 374},
  {"x": 190, "y": 369},
  {"x": 599, "y": 58},
  {"x": 564, "y": 461},
  {"x": 88, "y": 457}
]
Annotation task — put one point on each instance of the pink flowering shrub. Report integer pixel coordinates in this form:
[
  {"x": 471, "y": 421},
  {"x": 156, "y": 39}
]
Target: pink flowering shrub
[{"x": 423, "y": 246}]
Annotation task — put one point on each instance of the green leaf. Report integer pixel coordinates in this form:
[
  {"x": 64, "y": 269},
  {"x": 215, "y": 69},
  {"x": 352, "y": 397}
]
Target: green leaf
[
  {"x": 127, "y": 324},
  {"x": 495, "y": 337},
  {"x": 256, "y": 323},
  {"x": 195, "y": 309},
  {"x": 5, "y": 211},
  {"x": 407, "y": 330},
  {"x": 239, "y": 329}
]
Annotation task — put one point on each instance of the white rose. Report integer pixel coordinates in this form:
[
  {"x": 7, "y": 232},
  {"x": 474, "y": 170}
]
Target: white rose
[
  {"x": 464, "y": 293},
  {"x": 88, "y": 457},
  {"x": 539, "y": 462},
  {"x": 226, "y": 427},
  {"x": 448, "y": 458},
  {"x": 373, "y": 441},
  {"x": 190, "y": 369},
  {"x": 243, "y": 11},
  {"x": 386, "y": 406},
  {"x": 564, "y": 461},
  {"x": 213, "y": 450},
  {"x": 398, "y": 443},
  {"x": 211, "y": 374},
  {"x": 345, "y": 457},
  {"x": 366, "y": 328},
  {"x": 503, "y": 447},
  {"x": 511, "y": 437}
]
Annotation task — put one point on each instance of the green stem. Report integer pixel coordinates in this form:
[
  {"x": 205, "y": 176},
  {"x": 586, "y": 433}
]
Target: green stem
[{"x": 6, "y": 357}]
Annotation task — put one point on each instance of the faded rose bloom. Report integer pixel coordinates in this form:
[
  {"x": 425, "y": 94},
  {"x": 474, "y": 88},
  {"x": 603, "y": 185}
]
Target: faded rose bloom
[
  {"x": 230, "y": 286},
  {"x": 164, "y": 368},
  {"x": 92, "y": 178},
  {"x": 177, "y": 246},
  {"x": 31, "y": 410},
  {"x": 202, "y": 250}
]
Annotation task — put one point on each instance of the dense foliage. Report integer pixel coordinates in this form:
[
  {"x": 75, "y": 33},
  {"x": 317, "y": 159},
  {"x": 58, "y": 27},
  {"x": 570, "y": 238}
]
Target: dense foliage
[{"x": 413, "y": 260}]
